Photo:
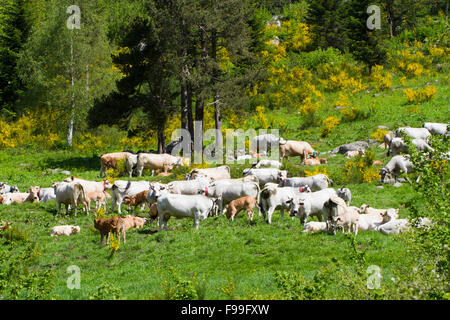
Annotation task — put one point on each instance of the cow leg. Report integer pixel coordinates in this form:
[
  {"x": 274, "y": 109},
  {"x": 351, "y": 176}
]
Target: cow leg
[
  {"x": 196, "y": 221},
  {"x": 269, "y": 214}
]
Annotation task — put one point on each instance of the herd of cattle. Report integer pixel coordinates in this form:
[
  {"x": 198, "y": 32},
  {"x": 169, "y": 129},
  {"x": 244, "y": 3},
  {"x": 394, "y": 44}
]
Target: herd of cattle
[{"x": 206, "y": 192}]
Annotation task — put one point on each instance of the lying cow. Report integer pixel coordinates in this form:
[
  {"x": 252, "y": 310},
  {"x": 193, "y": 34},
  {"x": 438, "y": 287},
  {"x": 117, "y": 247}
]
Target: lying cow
[
  {"x": 315, "y": 226},
  {"x": 436, "y": 128},
  {"x": 133, "y": 222},
  {"x": 266, "y": 175},
  {"x": 315, "y": 161},
  {"x": 236, "y": 206},
  {"x": 315, "y": 183},
  {"x": 21, "y": 197},
  {"x": 197, "y": 207},
  {"x": 64, "y": 230},
  {"x": 414, "y": 133},
  {"x": 265, "y": 163},
  {"x": 397, "y": 146},
  {"x": 354, "y": 153},
  {"x": 217, "y": 173},
  {"x": 4, "y": 188},
  {"x": 273, "y": 197},
  {"x": 291, "y": 148}
]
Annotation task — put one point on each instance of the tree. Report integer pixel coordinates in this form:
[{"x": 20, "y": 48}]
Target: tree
[
  {"x": 364, "y": 44},
  {"x": 13, "y": 33},
  {"x": 66, "y": 69}
]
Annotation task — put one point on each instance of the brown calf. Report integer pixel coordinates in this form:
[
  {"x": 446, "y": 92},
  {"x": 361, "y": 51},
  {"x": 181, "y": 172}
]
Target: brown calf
[
  {"x": 105, "y": 226},
  {"x": 315, "y": 161},
  {"x": 236, "y": 206},
  {"x": 136, "y": 200}
]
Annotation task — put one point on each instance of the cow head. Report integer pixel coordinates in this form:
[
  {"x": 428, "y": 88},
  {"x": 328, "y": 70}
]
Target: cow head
[
  {"x": 75, "y": 230},
  {"x": 34, "y": 191},
  {"x": 155, "y": 191},
  {"x": 384, "y": 172}
]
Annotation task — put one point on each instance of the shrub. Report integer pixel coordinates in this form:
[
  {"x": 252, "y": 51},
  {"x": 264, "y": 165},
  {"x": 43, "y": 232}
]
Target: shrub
[
  {"x": 381, "y": 79},
  {"x": 360, "y": 169},
  {"x": 177, "y": 288},
  {"x": 420, "y": 95},
  {"x": 328, "y": 125},
  {"x": 106, "y": 291},
  {"x": 379, "y": 135}
]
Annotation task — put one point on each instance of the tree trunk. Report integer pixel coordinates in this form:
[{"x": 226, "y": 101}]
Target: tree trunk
[
  {"x": 72, "y": 108},
  {"x": 184, "y": 106},
  {"x": 217, "y": 113},
  {"x": 190, "y": 117},
  {"x": 161, "y": 141}
]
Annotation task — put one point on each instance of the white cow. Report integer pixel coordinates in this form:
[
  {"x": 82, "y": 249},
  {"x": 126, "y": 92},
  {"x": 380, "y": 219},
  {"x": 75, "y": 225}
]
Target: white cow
[
  {"x": 396, "y": 166},
  {"x": 131, "y": 163},
  {"x": 217, "y": 173},
  {"x": 311, "y": 204},
  {"x": 4, "y": 188},
  {"x": 316, "y": 183},
  {"x": 341, "y": 216},
  {"x": 436, "y": 128},
  {"x": 415, "y": 133},
  {"x": 91, "y": 186},
  {"x": 155, "y": 161},
  {"x": 265, "y": 163},
  {"x": 274, "y": 197},
  {"x": 398, "y": 146},
  {"x": 225, "y": 193},
  {"x": 266, "y": 175},
  {"x": 64, "y": 230},
  {"x": 197, "y": 207},
  {"x": 122, "y": 189},
  {"x": 46, "y": 194},
  {"x": 345, "y": 194},
  {"x": 189, "y": 186},
  {"x": 70, "y": 194},
  {"x": 315, "y": 226}
]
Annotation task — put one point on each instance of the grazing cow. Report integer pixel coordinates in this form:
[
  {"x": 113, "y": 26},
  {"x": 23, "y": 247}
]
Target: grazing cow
[
  {"x": 217, "y": 173},
  {"x": 136, "y": 200},
  {"x": 415, "y": 133},
  {"x": 154, "y": 162},
  {"x": 105, "y": 226},
  {"x": 64, "y": 230},
  {"x": 293, "y": 148},
  {"x": 46, "y": 194},
  {"x": 267, "y": 164},
  {"x": 396, "y": 166},
  {"x": 110, "y": 160},
  {"x": 316, "y": 183},
  {"x": 189, "y": 187},
  {"x": 133, "y": 222},
  {"x": 236, "y": 206},
  {"x": 345, "y": 194},
  {"x": 20, "y": 197},
  {"x": 377, "y": 163},
  {"x": 266, "y": 175},
  {"x": 436, "y": 128},
  {"x": 262, "y": 142},
  {"x": 4, "y": 188},
  {"x": 315, "y": 161},
  {"x": 398, "y": 146},
  {"x": 70, "y": 194},
  {"x": 372, "y": 219},
  {"x": 122, "y": 189},
  {"x": 226, "y": 193},
  {"x": 197, "y": 207},
  {"x": 341, "y": 216},
  {"x": 131, "y": 164},
  {"x": 274, "y": 197},
  {"x": 355, "y": 153},
  {"x": 311, "y": 204},
  {"x": 315, "y": 226}
]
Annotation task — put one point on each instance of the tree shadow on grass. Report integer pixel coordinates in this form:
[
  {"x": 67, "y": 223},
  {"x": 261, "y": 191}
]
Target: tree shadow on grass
[{"x": 91, "y": 163}]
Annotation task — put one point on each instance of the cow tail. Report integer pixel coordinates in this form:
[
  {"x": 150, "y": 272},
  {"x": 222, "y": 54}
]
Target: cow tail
[{"x": 330, "y": 181}]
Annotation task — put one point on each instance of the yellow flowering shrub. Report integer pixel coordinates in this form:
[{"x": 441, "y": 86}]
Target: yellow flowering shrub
[
  {"x": 328, "y": 125},
  {"x": 379, "y": 135},
  {"x": 87, "y": 142},
  {"x": 420, "y": 95},
  {"x": 381, "y": 79},
  {"x": 317, "y": 170}
]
